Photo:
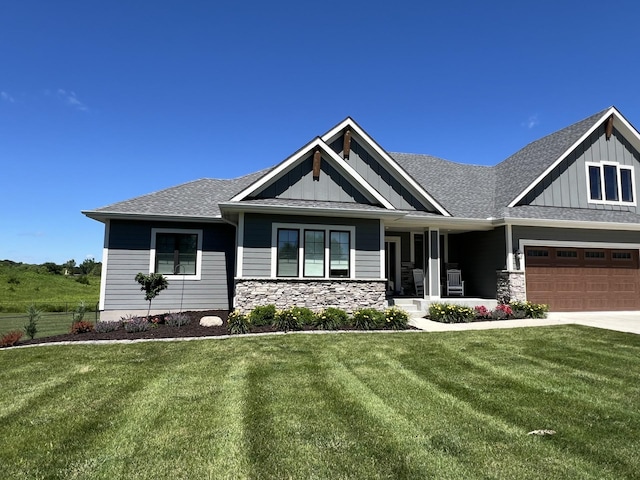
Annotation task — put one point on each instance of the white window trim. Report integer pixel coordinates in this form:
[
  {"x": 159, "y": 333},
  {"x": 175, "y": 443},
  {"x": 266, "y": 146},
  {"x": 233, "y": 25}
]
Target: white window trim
[
  {"x": 152, "y": 260},
  {"x": 327, "y": 242},
  {"x": 619, "y": 167}
]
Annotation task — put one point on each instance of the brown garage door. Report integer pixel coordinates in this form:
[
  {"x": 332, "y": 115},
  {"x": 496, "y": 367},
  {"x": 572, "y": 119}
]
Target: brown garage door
[{"x": 583, "y": 279}]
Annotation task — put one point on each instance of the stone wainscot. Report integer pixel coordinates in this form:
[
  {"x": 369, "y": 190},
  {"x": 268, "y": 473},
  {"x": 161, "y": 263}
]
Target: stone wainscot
[{"x": 346, "y": 294}]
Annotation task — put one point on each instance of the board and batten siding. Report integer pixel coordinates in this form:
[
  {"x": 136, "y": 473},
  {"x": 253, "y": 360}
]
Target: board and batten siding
[
  {"x": 566, "y": 185},
  {"x": 379, "y": 177},
  {"x": 298, "y": 184},
  {"x": 256, "y": 261},
  {"x": 129, "y": 253}
]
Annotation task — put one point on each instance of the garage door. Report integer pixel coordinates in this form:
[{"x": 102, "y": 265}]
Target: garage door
[{"x": 583, "y": 279}]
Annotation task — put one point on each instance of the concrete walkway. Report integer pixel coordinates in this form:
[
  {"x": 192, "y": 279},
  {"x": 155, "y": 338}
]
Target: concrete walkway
[{"x": 620, "y": 321}]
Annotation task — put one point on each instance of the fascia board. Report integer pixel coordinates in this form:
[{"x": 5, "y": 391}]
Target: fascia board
[
  {"x": 291, "y": 209},
  {"x": 541, "y": 177},
  {"x": 103, "y": 216},
  {"x": 349, "y": 122},
  {"x": 584, "y": 224}
]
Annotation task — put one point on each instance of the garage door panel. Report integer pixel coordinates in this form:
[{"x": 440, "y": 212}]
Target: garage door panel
[{"x": 582, "y": 283}]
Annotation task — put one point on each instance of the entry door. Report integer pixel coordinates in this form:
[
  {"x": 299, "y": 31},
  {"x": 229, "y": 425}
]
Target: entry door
[{"x": 392, "y": 264}]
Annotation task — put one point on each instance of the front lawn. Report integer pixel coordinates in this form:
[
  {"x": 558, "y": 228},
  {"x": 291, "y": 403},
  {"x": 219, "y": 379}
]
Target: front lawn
[{"x": 376, "y": 405}]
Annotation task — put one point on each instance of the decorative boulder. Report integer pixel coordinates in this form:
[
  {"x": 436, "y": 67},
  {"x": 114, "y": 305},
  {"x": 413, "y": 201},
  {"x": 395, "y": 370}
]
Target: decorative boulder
[{"x": 210, "y": 321}]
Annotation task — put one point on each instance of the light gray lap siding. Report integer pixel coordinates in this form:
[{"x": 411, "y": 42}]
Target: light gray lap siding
[
  {"x": 256, "y": 260},
  {"x": 129, "y": 253},
  {"x": 566, "y": 185}
]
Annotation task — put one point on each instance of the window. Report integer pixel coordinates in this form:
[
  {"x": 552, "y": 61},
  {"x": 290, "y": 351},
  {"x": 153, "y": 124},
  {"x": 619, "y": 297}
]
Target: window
[
  {"x": 566, "y": 254},
  {"x": 621, "y": 255},
  {"x": 176, "y": 252},
  {"x": 339, "y": 263},
  {"x": 314, "y": 253},
  {"x": 610, "y": 183},
  {"x": 594, "y": 254},
  {"x": 287, "y": 253},
  {"x": 537, "y": 253}
]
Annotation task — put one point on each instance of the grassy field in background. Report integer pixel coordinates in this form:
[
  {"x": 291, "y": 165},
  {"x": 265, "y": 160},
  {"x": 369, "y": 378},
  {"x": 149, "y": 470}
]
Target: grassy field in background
[
  {"x": 19, "y": 287},
  {"x": 50, "y": 323},
  {"x": 454, "y": 405}
]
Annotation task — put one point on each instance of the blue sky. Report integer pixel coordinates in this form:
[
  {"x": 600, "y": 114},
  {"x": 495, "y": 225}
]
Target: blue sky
[{"x": 103, "y": 101}]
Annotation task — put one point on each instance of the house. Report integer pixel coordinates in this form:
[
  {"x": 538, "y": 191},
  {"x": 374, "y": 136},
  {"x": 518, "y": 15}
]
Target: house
[{"x": 342, "y": 222}]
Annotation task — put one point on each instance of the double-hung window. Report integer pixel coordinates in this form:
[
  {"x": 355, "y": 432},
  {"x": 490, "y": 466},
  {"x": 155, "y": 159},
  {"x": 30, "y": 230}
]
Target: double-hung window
[
  {"x": 313, "y": 251},
  {"x": 176, "y": 252},
  {"x": 611, "y": 183}
]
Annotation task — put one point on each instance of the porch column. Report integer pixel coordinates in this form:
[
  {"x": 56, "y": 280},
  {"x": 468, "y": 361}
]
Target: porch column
[{"x": 432, "y": 258}]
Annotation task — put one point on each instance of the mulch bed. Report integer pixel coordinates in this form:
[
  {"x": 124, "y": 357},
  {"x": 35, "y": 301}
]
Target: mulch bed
[{"x": 161, "y": 330}]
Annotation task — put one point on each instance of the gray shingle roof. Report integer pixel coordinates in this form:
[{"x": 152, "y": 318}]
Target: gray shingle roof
[{"x": 465, "y": 191}]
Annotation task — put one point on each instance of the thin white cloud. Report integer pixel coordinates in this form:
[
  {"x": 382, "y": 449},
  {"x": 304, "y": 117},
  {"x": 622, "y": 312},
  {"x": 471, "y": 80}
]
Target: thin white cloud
[
  {"x": 531, "y": 122},
  {"x": 6, "y": 97},
  {"x": 71, "y": 99}
]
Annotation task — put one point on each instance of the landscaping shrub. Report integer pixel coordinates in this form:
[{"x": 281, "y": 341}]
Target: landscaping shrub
[
  {"x": 81, "y": 327},
  {"x": 448, "y": 313},
  {"x": 331, "y": 319},
  {"x": 177, "y": 319},
  {"x": 482, "y": 312},
  {"x": 531, "y": 310},
  {"x": 367, "y": 319},
  {"x": 78, "y": 313},
  {"x": 502, "y": 312},
  {"x": 31, "y": 328},
  {"x": 288, "y": 319},
  {"x": 396, "y": 318},
  {"x": 106, "y": 327},
  {"x": 11, "y": 338},
  {"x": 262, "y": 315},
  {"x": 237, "y": 323},
  {"x": 83, "y": 279},
  {"x": 305, "y": 315},
  {"x": 135, "y": 324}
]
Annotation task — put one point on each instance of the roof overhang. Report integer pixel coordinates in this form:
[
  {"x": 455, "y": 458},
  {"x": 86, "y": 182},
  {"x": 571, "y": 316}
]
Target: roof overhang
[
  {"x": 583, "y": 224},
  {"x": 104, "y": 216},
  {"x": 237, "y": 207}
]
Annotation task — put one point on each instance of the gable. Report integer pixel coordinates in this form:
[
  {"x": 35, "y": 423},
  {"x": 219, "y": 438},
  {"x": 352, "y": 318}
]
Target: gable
[
  {"x": 379, "y": 177},
  {"x": 299, "y": 183},
  {"x": 569, "y": 185}
]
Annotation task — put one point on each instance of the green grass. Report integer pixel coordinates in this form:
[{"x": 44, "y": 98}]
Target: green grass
[
  {"x": 50, "y": 323},
  {"x": 452, "y": 405},
  {"x": 22, "y": 285}
]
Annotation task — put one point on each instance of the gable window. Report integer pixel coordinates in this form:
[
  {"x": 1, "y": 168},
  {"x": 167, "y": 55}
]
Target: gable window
[
  {"x": 287, "y": 252},
  {"x": 312, "y": 251},
  {"x": 176, "y": 252},
  {"x": 611, "y": 183}
]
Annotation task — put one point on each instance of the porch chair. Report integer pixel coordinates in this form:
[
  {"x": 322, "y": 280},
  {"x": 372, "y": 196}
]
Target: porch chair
[
  {"x": 418, "y": 280},
  {"x": 455, "y": 284}
]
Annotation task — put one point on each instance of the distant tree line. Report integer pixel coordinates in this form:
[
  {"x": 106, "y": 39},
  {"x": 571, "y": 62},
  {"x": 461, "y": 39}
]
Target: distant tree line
[{"x": 88, "y": 267}]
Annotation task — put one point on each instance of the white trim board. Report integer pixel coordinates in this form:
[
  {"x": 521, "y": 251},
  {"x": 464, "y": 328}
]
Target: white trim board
[{"x": 105, "y": 264}]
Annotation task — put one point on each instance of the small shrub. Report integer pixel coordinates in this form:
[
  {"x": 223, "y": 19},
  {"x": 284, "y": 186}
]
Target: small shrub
[
  {"x": 502, "y": 312},
  {"x": 78, "y": 313},
  {"x": 136, "y": 324},
  {"x": 13, "y": 280},
  {"x": 151, "y": 285},
  {"x": 237, "y": 323},
  {"x": 176, "y": 319},
  {"x": 367, "y": 319},
  {"x": 482, "y": 312},
  {"x": 531, "y": 310},
  {"x": 83, "y": 279},
  {"x": 11, "y": 338},
  {"x": 31, "y": 328},
  {"x": 305, "y": 315},
  {"x": 288, "y": 319},
  {"x": 396, "y": 318},
  {"x": 81, "y": 327},
  {"x": 449, "y": 313},
  {"x": 262, "y": 315},
  {"x": 331, "y": 319},
  {"x": 106, "y": 327}
]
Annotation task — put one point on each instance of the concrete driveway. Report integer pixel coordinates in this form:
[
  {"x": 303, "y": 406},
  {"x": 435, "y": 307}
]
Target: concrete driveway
[{"x": 620, "y": 321}]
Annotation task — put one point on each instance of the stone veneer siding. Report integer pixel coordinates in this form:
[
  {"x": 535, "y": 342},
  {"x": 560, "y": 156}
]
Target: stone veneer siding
[
  {"x": 511, "y": 286},
  {"x": 346, "y": 294}
]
